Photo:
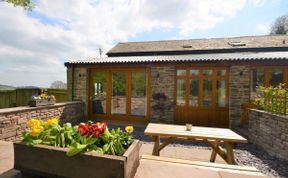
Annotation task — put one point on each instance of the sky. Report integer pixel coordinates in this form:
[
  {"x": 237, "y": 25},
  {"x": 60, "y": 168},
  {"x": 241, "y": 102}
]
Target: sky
[{"x": 34, "y": 45}]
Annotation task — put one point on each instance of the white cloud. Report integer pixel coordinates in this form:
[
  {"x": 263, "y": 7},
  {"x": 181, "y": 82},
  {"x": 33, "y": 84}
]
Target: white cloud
[
  {"x": 262, "y": 29},
  {"x": 32, "y": 50}
]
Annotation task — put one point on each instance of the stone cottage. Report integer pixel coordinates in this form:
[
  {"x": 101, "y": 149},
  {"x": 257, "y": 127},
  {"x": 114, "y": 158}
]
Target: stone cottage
[{"x": 200, "y": 81}]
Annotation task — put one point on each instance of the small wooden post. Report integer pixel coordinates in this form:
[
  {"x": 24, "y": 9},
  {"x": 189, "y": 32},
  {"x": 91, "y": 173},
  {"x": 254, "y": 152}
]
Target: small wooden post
[{"x": 156, "y": 151}]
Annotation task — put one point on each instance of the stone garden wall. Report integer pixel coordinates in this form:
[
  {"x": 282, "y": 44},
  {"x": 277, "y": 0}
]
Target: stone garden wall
[
  {"x": 270, "y": 132},
  {"x": 163, "y": 81},
  {"x": 13, "y": 120},
  {"x": 239, "y": 92}
]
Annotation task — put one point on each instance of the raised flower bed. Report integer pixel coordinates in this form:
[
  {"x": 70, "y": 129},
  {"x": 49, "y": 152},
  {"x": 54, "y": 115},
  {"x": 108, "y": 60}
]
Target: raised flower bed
[
  {"x": 42, "y": 100},
  {"x": 87, "y": 150}
]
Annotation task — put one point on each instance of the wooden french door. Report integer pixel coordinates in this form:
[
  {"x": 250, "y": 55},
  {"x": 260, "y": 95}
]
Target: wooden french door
[
  {"x": 119, "y": 94},
  {"x": 202, "y": 96}
]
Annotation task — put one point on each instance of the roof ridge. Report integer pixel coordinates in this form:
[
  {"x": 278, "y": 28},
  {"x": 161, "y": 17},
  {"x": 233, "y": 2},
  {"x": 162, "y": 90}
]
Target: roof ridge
[{"x": 213, "y": 38}]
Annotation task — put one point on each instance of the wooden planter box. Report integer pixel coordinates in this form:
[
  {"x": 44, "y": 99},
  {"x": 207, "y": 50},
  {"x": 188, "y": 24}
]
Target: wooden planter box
[
  {"x": 42, "y": 102},
  {"x": 48, "y": 161}
]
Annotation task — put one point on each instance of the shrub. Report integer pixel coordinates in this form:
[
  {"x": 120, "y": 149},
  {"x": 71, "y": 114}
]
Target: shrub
[{"x": 272, "y": 99}]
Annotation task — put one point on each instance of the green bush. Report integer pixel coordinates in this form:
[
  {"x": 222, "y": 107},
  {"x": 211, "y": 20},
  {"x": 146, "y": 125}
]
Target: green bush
[{"x": 272, "y": 99}]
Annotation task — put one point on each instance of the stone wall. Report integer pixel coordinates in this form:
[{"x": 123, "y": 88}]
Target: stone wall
[
  {"x": 239, "y": 82},
  {"x": 80, "y": 85},
  {"x": 13, "y": 120},
  {"x": 163, "y": 81},
  {"x": 270, "y": 132}
]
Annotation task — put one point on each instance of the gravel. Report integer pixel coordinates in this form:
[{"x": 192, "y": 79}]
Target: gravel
[{"x": 245, "y": 154}]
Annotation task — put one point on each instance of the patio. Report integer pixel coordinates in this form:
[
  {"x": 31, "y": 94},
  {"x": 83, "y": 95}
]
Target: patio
[{"x": 245, "y": 154}]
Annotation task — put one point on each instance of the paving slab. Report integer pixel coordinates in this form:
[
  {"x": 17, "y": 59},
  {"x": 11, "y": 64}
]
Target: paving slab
[{"x": 194, "y": 154}]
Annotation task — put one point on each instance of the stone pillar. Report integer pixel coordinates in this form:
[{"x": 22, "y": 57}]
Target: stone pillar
[
  {"x": 239, "y": 82},
  {"x": 163, "y": 81},
  {"x": 80, "y": 85}
]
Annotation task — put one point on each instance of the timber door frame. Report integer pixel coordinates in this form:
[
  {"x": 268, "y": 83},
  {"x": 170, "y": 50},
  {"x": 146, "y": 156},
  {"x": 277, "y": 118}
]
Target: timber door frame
[
  {"x": 127, "y": 117},
  {"x": 214, "y": 78}
]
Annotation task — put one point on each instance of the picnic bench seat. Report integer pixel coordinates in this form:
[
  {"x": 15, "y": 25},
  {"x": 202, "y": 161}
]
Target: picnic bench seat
[{"x": 157, "y": 166}]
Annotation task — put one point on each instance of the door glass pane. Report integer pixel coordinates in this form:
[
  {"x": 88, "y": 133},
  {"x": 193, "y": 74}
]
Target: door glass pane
[
  {"x": 118, "y": 104},
  {"x": 207, "y": 93},
  {"x": 194, "y": 72},
  {"x": 276, "y": 77},
  {"x": 221, "y": 72},
  {"x": 207, "y": 72},
  {"x": 181, "y": 92},
  {"x": 193, "y": 98},
  {"x": 181, "y": 72},
  {"x": 257, "y": 78},
  {"x": 221, "y": 93},
  {"x": 138, "y": 94},
  {"x": 99, "y": 80}
]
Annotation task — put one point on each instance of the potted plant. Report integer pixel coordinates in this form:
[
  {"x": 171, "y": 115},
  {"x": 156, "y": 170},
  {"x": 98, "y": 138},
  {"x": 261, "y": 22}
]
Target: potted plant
[
  {"x": 86, "y": 150},
  {"x": 161, "y": 103},
  {"x": 42, "y": 99}
]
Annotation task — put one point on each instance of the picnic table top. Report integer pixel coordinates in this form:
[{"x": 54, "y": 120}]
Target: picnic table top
[{"x": 207, "y": 133}]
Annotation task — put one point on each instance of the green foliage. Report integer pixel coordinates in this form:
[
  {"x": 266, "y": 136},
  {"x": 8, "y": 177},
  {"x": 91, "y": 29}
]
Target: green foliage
[
  {"x": 26, "y": 4},
  {"x": 272, "y": 99},
  {"x": 113, "y": 143}
]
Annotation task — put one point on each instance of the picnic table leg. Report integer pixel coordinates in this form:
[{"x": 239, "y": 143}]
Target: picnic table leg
[
  {"x": 156, "y": 151},
  {"x": 230, "y": 153},
  {"x": 214, "y": 153}
]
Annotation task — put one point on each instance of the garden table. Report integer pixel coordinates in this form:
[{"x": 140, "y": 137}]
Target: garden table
[{"x": 213, "y": 136}]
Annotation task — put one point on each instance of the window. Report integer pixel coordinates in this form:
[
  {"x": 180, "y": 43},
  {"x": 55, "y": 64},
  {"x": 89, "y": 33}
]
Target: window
[
  {"x": 266, "y": 76},
  {"x": 276, "y": 77},
  {"x": 118, "y": 105},
  {"x": 181, "y": 72},
  {"x": 181, "y": 92},
  {"x": 138, "y": 93},
  {"x": 194, "y": 89},
  {"x": 99, "y": 92},
  {"x": 221, "y": 93},
  {"x": 207, "y": 93}
]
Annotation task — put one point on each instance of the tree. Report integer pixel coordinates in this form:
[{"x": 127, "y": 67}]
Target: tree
[
  {"x": 280, "y": 25},
  {"x": 26, "y": 4},
  {"x": 58, "y": 85}
]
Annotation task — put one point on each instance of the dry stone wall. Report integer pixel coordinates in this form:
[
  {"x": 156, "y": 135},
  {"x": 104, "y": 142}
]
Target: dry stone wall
[
  {"x": 163, "y": 81},
  {"x": 239, "y": 82},
  {"x": 13, "y": 120},
  {"x": 270, "y": 132}
]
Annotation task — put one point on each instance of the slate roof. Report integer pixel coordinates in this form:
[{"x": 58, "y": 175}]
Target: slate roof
[
  {"x": 245, "y": 42},
  {"x": 243, "y": 56}
]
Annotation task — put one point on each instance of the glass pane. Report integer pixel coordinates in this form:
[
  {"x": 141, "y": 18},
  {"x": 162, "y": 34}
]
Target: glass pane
[
  {"x": 118, "y": 105},
  {"x": 194, "y": 72},
  {"x": 181, "y": 92},
  {"x": 207, "y": 93},
  {"x": 99, "y": 93},
  {"x": 221, "y": 93},
  {"x": 193, "y": 98},
  {"x": 257, "y": 78},
  {"x": 138, "y": 94},
  {"x": 221, "y": 72},
  {"x": 181, "y": 72},
  {"x": 207, "y": 72},
  {"x": 276, "y": 77}
]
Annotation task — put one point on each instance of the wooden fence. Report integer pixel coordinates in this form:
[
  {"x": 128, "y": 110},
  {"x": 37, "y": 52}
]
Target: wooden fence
[{"x": 21, "y": 96}]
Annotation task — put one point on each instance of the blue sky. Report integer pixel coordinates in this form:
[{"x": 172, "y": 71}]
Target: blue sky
[{"x": 34, "y": 45}]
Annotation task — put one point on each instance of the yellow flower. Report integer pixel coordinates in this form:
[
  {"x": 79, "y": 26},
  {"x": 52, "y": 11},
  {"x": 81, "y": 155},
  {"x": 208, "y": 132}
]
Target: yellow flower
[
  {"x": 129, "y": 129},
  {"x": 35, "y": 126},
  {"x": 35, "y": 131},
  {"x": 52, "y": 121},
  {"x": 33, "y": 123}
]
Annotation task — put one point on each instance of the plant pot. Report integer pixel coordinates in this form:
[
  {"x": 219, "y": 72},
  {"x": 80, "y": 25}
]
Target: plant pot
[
  {"x": 49, "y": 161},
  {"x": 42, "y": 102}
]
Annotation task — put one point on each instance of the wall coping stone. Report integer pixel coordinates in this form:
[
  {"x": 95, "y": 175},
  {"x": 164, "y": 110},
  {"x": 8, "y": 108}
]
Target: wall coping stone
[
  {"x": 269, "y": 113},
  {"x": 27, "y": 108}
]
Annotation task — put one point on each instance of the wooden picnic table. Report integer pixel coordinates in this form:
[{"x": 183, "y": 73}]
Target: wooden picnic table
[{"x": 214, "y": 137}]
